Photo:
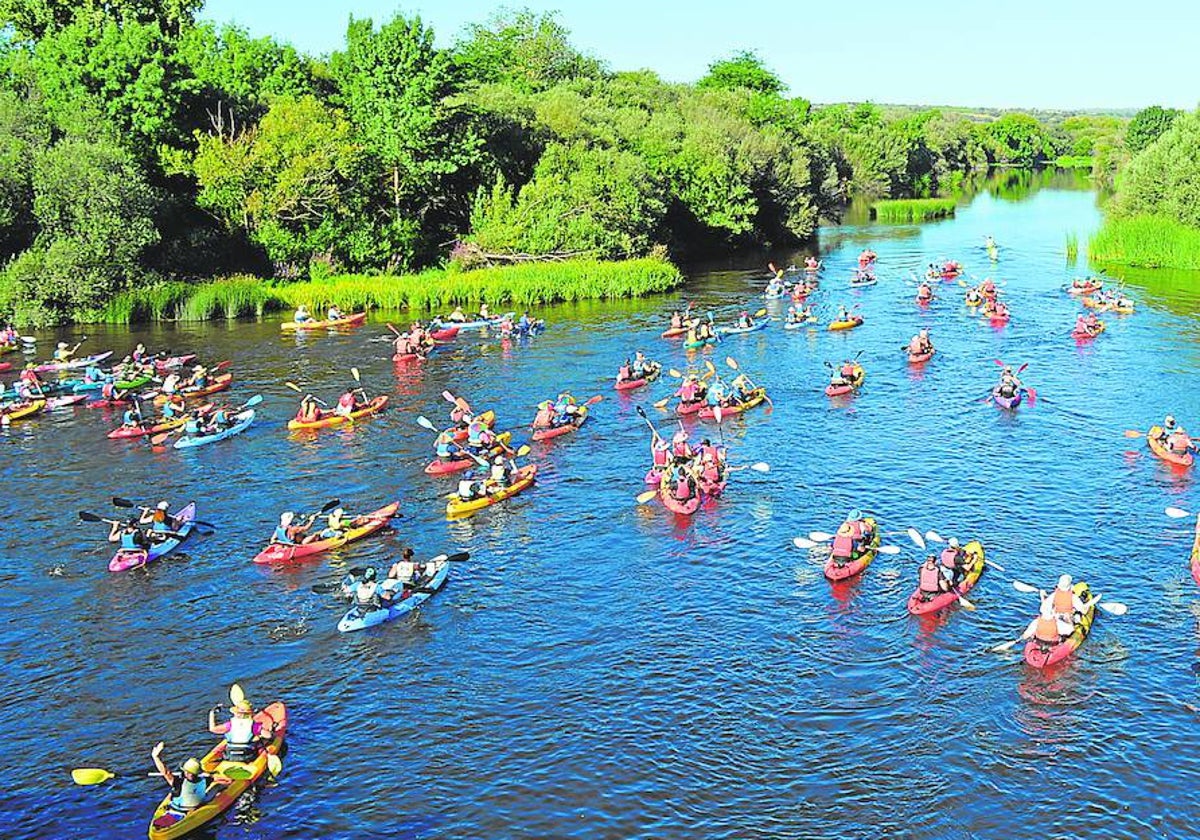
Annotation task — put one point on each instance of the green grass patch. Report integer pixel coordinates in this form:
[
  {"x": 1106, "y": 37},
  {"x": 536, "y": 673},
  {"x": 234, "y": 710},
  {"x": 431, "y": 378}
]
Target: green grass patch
[
  {"x": 1074, "y": 161},
  {"x": 1147, "y": 242},
  {"x": 913, "y": 209},
  {"x": 524, "y": 285},
  {"x": 1072, "y": 247}
]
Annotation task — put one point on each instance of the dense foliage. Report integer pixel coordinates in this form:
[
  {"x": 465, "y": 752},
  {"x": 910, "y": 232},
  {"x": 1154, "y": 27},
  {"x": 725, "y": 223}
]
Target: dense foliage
[{"x": 141, "y": 149}]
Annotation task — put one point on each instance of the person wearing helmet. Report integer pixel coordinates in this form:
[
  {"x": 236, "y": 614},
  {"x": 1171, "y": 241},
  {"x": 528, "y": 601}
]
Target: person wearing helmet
[
  {"x": 919, "y": 343},
  {"x": 1168, "y": 428},
  {"x": 469, "y": 486},
  {"x": 1009, "y": 384},
  {"x": 162, "y": 523},
  {"x": 565, "y": 409},
  {"x": 501, "y": 472},
  {"x": 1065, "y": 604},
  {"x": 242, "y": 732},
  {"x": 190, "y": 788},
  {"x": 954, "y": 561},
  {"x": 1047, "y": 629}
]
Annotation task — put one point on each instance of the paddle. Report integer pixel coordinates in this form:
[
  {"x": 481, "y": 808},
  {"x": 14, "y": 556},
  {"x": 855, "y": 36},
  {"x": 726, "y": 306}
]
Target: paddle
[
  {"x": 1110, "y": 607},
  {"x": 126, "y": 503},
  {"x": 643, "y": 498},
  {"x": 1177, "y": 513},
  {"x": 87, "y": 516},
  {"x": 761, "y": 466},
  {"x": 822, "y": 537},
  {"x": 642, "y": 413}
]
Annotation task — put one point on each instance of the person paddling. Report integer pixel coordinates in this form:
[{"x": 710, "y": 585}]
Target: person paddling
[
  {"x": 162, "y": 523},
  {"x": 244, "y": 735},
  {"x": 288, "y": 532},
  {"x": 920, "y": 344},
  {"x": 189, "y": 790},
  {"x": 931, "y": 581},
  {"x": 1064, "y": 603},
  {"x": 954, "y": 561},
  {"x": 302, "y": 314},
  {"x": 1010, "y": 385},
  {"x": 130, "y": 536},
  {"x": 1048, "y": 629},
  {"x": 335, "y": 313}
]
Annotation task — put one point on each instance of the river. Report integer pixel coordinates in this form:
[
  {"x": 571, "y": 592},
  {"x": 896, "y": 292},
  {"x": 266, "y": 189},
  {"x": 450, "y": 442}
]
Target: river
[{"x": 600, "y": 669}]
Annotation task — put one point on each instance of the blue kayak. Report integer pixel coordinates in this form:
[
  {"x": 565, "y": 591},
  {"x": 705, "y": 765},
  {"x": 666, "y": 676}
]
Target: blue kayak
[
  {"x": 244, "y": 419},
  {"x": 357, "y": 619},
  {"x": 758, "y": 325}
]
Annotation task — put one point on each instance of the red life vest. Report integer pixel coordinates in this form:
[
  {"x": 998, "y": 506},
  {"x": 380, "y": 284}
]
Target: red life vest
[
  {"x": 346, "y": 400},
  {"x": 847, "y": 371},
  {"x": 949, "y": 557},
  {"x": 843, "y": 546},
  {"x": 687, "y": 392},
  {"x": 660, "y": 455},
  {"x": 930, "y": 578},
  {"x": 1046, "y": 630},
  {"x": 681, "y": 449}
]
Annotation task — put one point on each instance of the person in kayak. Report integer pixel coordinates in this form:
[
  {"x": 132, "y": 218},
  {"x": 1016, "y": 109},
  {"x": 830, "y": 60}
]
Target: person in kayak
[
  {"x": 1009, "y": 385},
  {"x": 174, "y": 407},
  {"x": 744, "y": 321},
  {"x": 334, "y": 313},
  {"x": 302, "y": 315},
  {"x": 131, "y": 537},
  {"x": 199, "y": 378},
  {"x": 931, "y": 581},
  {"x": 692, "y": 390},
  {"x": 445, "y": 446},
  {"x": 162, "y": 523},
  {"x": 506, "y": 328},
  {"x": 954, "y": 561},
  {"x": 844, "y": 314},
  {"x": 676, "y": 320},
  {"x": 811, "y": 263},
  {"x": 743, "y": 387},
  {"x": 365, "y": 592},
  {"x": 867, "y": 257},
  {"x": 798, "y": 316},
  {"x": 987, "y": 289},
  {"x": 544, "y": 418},
  {"x": 457, "y": 316},
  {"x": 643, "y": 367},
  {"x": 1086, "y": 325},
  {"x": 470, "y": 487},
  {"x": 405, "y": 570},
  {"x": 660, "y": 452},
  {"x": 189, "y": 789},
  {"x": 681, "y": 481},
  {"x": 920, "y": 344},
  {"x": 287, "y": 532},
  {"x": 924, "y": 293},
  {"x": 712, "y": 464},
  {"x": 348, "y": 402},
  {"x": 335, "y": 526},
  {"x": 64, "y": 352},
  {"x": 483, "y": 314},
  {"x": 132, "y": 418},
  {"x": 1048, "y": 629},
  {"x": 309, "y": 411},
  {"x": 244, "y": 736},
  {"x": 681, "y": 451},
  {"x": 501, "y": 472},
  {"x": 403, "y": 345},
  {"x": 973, "y": 297},
  {"x": 565, "y": 409},
  {"x": 717, "y": 394},
  {"x": 1064, "y": 603},
  {"x": 625, "y": 372}
]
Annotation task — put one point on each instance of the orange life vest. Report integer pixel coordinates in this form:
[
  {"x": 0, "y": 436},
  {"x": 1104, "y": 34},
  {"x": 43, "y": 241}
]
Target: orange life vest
[
  {"x": 1064, "y": 601},
  {"x": 1046, "y": 630}
]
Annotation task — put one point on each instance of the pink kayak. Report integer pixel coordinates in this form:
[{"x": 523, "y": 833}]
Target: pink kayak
[
  {"x": 556, "y": 431},
  {"x": 446, "y": 334},
  {"x": 684, "y": 409}
]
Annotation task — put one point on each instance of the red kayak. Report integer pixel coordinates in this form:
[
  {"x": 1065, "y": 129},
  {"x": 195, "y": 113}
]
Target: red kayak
[
  {"x": 630, "y": 384},
  {"x": 407, "y": 357},
  {"x": 674, "y": 332},
  {"x": 447, "y": 334},
  {"x": 556, "y": 431},
  {"x": 918, "y": 605},
  {"x": 5, "y": 366},
  {"x": 919, "y": 358},
  {"x": 835, "y": 571},
  {"x": 684, "y": 409},
  {"x": 683, "y": 507}
]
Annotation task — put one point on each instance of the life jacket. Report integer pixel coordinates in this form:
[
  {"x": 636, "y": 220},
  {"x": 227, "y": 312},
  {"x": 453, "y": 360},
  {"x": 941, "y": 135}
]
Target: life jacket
[
  {"x": 624, "y": 373},
  {"x": 930, "y": 579},
  {"x": 466, "y": 488},
  {"x": 241, "y": 731},
  {"x": 1179, "y": 442},
  {"x": 949, "y": 558},
  {"x": 847, "y": 372},
  {"x": 660, "y": 455},
  {"x": 687, "y": 392},
  {"x": 711, "y": 454},
  {"x": 683, "y": 489},
  {"x": 544, "y": 417},
  {"x": 364, "y": 594},
  {"x": 282, "y": 535},
  {"x": 676, "y": 321},
  {"x": 130, "y": 541},
  {"x": 1046, "y": 630},
  {"x": 189, "y": 794},
  {"x": 1064, "y": 601},
  {"x": 915, "y": 346},
  {"x": 500, "y": 473},
  {"x": 680, "y": 449},
  {"x": 131, "y": 418},
  {"x": 843, "y": 546},
  {"x": 346, "y": 401}
]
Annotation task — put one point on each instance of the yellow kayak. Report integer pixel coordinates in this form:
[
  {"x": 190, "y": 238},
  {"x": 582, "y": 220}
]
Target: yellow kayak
[
  {"x": 522, "y": 478},
  {"x": 348, "y": 321},
  {"x": 24, "y": 410},
  {"x": 846, "y": 325}
]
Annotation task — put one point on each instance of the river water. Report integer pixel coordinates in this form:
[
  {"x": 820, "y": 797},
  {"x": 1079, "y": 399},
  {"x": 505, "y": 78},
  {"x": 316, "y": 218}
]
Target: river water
[{"x": 600, "y": 669}]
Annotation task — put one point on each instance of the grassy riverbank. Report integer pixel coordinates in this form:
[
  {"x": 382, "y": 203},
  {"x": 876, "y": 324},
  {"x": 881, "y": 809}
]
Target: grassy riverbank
[
  {"x": 913, "y": 209},
  {"x": 1147, "y": 242},
  {"x": 523, "y": 285}
]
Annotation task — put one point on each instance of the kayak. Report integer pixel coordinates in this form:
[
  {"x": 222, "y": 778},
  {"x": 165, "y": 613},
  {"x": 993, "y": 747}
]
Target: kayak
[
  {"x": 755, "y": 397},
  {"x": 1084, "y": 334},
  {"x": 329, "y": 418},
  {"x": 653, "y": 475},
  {"x": 924, "y": 301},
  {"x": 22, "y": 410},
  {"x": 348, "y": 321},
  {"x": 64, "y": 402},
  {"x": 1007, "y": 402},
  {"x": 161, "y": 425},
  {"x": 755, "y": 327},
  {"x": 1040, "y": 654},
  {"x": 681, "y": 507},
  {"x": 855, "y": 382},
  {"x": 919, "y": 358},
  {"x": 799, "y": 325},
  {"x": 1196, "y": 553},
  {"x": 846, "y": 325},
  {"x": 1105, "y": 306},
  {"x": 277, "y": 553},
  {"x": 215, "y": 385},
  {"x": 521, "y": 479},
  {"x": 55, "y": 367},
  {"x": 485, "y": 322},
  {"x": 837, "y": 572},
  {"x": 674, "y": 332},
  {"x": 124, "y": 560},
  {"x": 169, "y": 824},
  {"x": 132, "y": 384},
  {"x": 357, "y": 619},
  {"x": 870, "y": 281},
  {"x": 445, "y": 334},
  {"x": 701, "y": 342},
  {"x": 5, "y": 366},
  {"x": 917, "y": 605},
  {"x": 684, "y": 409},
  {"x": 556, "y": 431},
  {"x": 630, "y": 384},
  {"x": 408, "y": 357},
  {"x": 439, "y": 466},
  {"x": 1160, "y": 449},
  {"x": 1088, "y": 289},
  {"x": 998, "y": 318},
  {"x": 164, "y": 365},
  {"x": 244, "y": 419}
]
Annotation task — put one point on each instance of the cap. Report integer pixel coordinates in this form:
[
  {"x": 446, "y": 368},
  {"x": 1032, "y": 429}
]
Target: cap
[
  {"x": 1064, "y": 582},
  {"x": 191, "y": 766},
  {"x": 163, "y": 506},
  {"x": 285, "y": 518},
  {"x": 62, "y": 345},
  {"x": 953, "y": 542}
]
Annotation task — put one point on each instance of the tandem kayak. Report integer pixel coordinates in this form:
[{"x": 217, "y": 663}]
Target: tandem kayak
[
  {"x": 1007, "y": 402},
  {"x": 681, "y": 507},
  {"x": 918, "y": 604},
  {"x": 1154, "y": 440},
  {"x": 446, "y": 466},
  {"x": 358, "y": 619},
  {"x": 22, "y": 410},
  {"x": 348, "y": 321},
  {"x": 160, "y": 425},
  {"x": 74, "y": 364},
  {"x": 124, "y": 560},
  {"x": 522, "y": 478},
  {"x": 556, "y": 431},
  {"x": 645, "y": 379},
  {"x": 445, "y": 334},
  {"x": 755, "y": 327},
  {"x": 331, "y": 418},
  {"x": 1039, "y": 654},
  {"x": 169, "y": 823},
  {"x": 853, "y": 384},
  {"x": 215, "y": 385},
  {"x": 278, "y": 553},
  {"x": 484, "y": 322},
  {"x": 702, "y": 342},
  {"x": 799, "y": 325},
  {"x": 65, "y": 402},
  {"x": 1084, "y": 335},
  {"x": 684, "y": 409},
  {"x": 856, "y": 321},
  {"x": 1086, "y": 289},
  {"x": 755, "y": 397},
  {"x": 835, "y": 571},
  {"x": 244, "y": 419},
  {"x": 920, "y": 358}
]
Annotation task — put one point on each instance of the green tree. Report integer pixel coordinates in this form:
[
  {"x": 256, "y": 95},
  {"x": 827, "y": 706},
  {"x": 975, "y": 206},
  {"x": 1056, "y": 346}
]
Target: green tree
[
  {"x": 34, "y": 19},
  {"x": 1164, "y": 178},
  {"x": 743, "y": 70},
  {"x": 24, "y": 135},
  {"x": 1148, "y": 125},
  {"x": 522, "y": 50},
  {"x": 1020, "y": 140}
]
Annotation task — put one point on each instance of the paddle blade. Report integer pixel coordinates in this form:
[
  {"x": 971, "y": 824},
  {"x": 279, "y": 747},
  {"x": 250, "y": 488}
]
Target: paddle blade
[
  {"x": 761, "y": 466},
  {"x": 674, "y": 374},
  {"x": 330, "y": 505},
  {"x": 1005, "y": 646},
  {"x": 294, "y": 387},
  {"x": 253, "y": 401},
  {"x": 717, "y": 414},
  {"x": 89, "y": 517},
  {"x": 662, "y": 403},
  {"x": 643, "y": 498},
  {"x": 732, "y": 362},
  {"x": 1173, "y": 512},
  {"x": 934, "y": 537},
  {"x": 523, "y": 451},
  {"x": 448, "y": 397},
  {"x": 712, "y": 369},
  {"x": 90, "y": 776},
  {"x": 425, "y": 423},
  {"x": 888, "y": 549},
  {"x": 1021, "y": 586},
  {"x": 236, "y": 695},
  {"x": 274, "y": 764},
  {"x": 966, "y": 604},
  {"x": 457, "y": 557},
  {"x": 236, "y": 772},
  {"x": 1114, "y": 607},
  {"x": 819, "y": 536},
  {"x": 594, "y": 399},
  {"x": 801, "y": 542},
  {"x": 157, "y": 440},
  {"x": 1133, "y": 433},
  {"x": 915, "y": 536},
  {"x": 119, "y": 502},
  {"x": 354, "y": 373}
]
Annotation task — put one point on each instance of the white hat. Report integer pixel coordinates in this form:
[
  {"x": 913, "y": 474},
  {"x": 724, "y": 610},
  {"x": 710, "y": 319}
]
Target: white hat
[
  {"x": 62, "y": 345},
  {"x": 163, "y": 506},
  {"x": 953, "y": 542},
  {"x": 338, "y": 512},
  {"x": 1064, "y": 582},
  {"x": 285, "y": 518}
]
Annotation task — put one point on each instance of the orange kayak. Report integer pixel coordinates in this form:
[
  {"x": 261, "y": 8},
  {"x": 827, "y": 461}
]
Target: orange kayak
[{"x": 348, "y": 321}]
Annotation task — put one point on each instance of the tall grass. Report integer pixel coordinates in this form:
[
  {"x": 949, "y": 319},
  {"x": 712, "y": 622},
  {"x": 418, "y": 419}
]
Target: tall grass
[
  {"x": 1074, "y": 161},
  {"x": 1072, "y": 248},
  {"x": 913, "y": 209},
  {"x": 1146, "y": 241},
  {"x": 523, "y": 285}
]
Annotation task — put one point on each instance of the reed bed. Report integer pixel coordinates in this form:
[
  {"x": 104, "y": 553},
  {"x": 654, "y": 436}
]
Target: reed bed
[
  {"x": 913, "y": 209},
  {"x": 1146, "y": 241}
]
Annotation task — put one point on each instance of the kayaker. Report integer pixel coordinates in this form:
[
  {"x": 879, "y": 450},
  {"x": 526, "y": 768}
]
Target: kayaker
[
  {"x": 625, "y": 372},
  {"x": 920, "y": 344},
  {"x": 743, "y": 387},
  {"x": 457, "y": 316},
  {"x": 445, "y": 445},
  {"x": 989, "y": 243},
  {"x": 1047, "y": 628},
  {"x": 642, "y": 366},
  {"x": 190, "y": 788},
  {"x": 501, "y": 472},
  {"x": 717, "y": 394},
  {"x": 810, "y": 263},
  {"x": 682, "y": 482},
  {"x": 174, "y": 407},
  {"x": 1064, "y": 604},
  {"x": 844, "y": 314},
  {"x": 676, "y": 320},
  {"x": 63, "y": 352},
  {"x": 794, "y": 317},
  {"x": 680, "y": 450},
  {"x": 506, "y": 328},
  {"x": 484, "y": 315},
  {"x": 544, "y": 418},
  {"x": 199, "y": 377},
  {"x": 365, "y": 592},
  {"x": 973, "y": 297},
  {"x": 162, "y": 523},
  {"x": 302, "y": 314},
  {"x": 930, "y": 579},
  {"x": 924, "y": 292},
  {"x": 988, "y": 289},
  {"x": 243, "y": 734},
  {"x": 335, "y": 525},
  {"x": 334, "y": 313},
  {"x": 867, "y": 257},
  {"x": 132, "y": 418},
  {"x": 170, "y": 383},
  {"x": 404, "y": 570},
  {"x": 660, "y": 452},
  {"x": 480, "y": 438},
  {"x": 218, "y": 421},
  {"x": 525, "y": 325},
  {"x": 309, "y": 411},
  {"x": 1179, "y": 443},
  {"x": 745, "y": 321},
  {"x": 848, "y": 371},
  {"x": 194, "y": 426},
  {"x": 288, "y": 532},
  {"x": 691, "y": 390},
  {"x": 129, "y": 535},
  {"x": 347, "y": 402},
  {"x": 954, "y": 560},
  {"x": 1009, "y": 383},
  {"x": 565, "y": 409},
  {"x": 403, "y": 345},
  {"x": 470, "y": 487}
]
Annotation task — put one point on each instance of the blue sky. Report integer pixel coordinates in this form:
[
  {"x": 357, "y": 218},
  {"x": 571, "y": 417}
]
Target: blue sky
[{"x": 1014, "y": 53}]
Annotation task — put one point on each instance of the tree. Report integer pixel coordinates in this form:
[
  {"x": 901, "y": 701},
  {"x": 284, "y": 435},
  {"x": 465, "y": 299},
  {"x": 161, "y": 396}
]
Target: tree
[
  {"x": 1020, "y": 140},
  {"x": 1148, "y": 125},
  {"x": 34, "y": 19},
  {"x": 743, "y": 70},
  {"x": 522, "y": 50},
  {"x": 1164, "y": 178},
  {"x": 24, "y": 135}
]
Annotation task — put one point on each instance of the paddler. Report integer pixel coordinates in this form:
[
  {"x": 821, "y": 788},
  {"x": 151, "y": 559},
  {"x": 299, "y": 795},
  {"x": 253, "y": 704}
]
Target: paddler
[
  {"x": 480, "y": 438},
  {"x": 335, "y": 525},
  {"x": 243, "y": 734},
  {"x": 63, "y": 352},
  {"x": 289, "y": 533},
  {"x": 680, "y": 450},
  {"x": 565, "y": 409},
  {"x": 691, "y": 390},
  {"x": 1048, "y": 629},
  {"x": 660, "y": 452},
  {"x": 544, "y": 418},
  {"x": 403, "y": 345},
  {"x": 1009, "y": 384},
  {"x": 334, "y": 313},
  {"x": 954, "y": 561},
  {"x": 309, "y": 411},
  {"x": 973, "y": 297},
  {"x": 920, "y": 344},
  {"x": 129, "y": 535},
  {"x": 132, "y": 418},
  {"x": 162, "y": 523},
  {"x": 844, "y": 314},
  {"x": 743, "y": 387},
  {"x": 924, "y": 292},
  {"x": 987, "y": 289},
  {"x": 643, "y": 367},
  {"x": 676, "y": 320},
  {"x": 1064, "y": 604},
  {"x": 170, "y": 383},
  {"x": 930, "y": 579},
  {"x": 199, "y": 377},
  {"x": 810, "y": 263},
  {"x": 302, "y": 314},
  {"x": 1178, "y": 442},
  {"x": 347, "y": 402},
  {"x": 717, "y": 394},
  {"x": 681, "y": 481},
  {"x": 745, "y": 321},
  {"x": 501, "y": 472},
  {"x": 470, "y": 487},
  {"x": 457, "y": 316},
  {"x": 867, "y": 257},
  {"x": 189, "y": 789},
  {"x": 506, "y": 328},
  {"x": 625, "y": 372},
  {"x": 365, "y": 592},
  {"x": 484, "y": 315},
  {"x": 445, "y": 445}
]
